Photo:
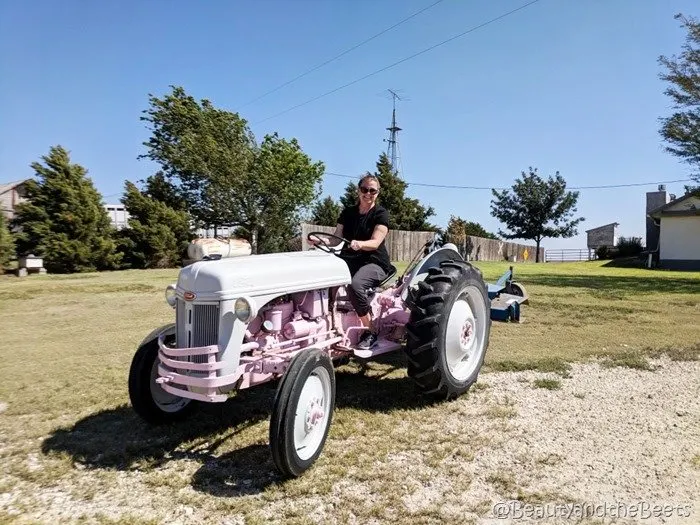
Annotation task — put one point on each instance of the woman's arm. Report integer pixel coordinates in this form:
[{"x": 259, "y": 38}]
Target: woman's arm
[{"x": 373, "y": 243}]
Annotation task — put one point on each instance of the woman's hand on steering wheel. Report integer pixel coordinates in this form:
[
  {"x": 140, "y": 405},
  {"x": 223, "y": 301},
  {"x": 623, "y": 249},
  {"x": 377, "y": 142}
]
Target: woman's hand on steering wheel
[{"x": 323, "y": 245}]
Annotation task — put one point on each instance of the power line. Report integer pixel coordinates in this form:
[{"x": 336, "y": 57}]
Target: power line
[
  {"x": 315, "y": 68},
  {"x": 385, "y": 68},
  {"x": 459, "y": 187}
]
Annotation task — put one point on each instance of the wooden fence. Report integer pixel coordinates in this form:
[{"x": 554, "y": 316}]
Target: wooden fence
[
  {"x": 402, "y": 245},
  {"x": 481, "y": 249}
]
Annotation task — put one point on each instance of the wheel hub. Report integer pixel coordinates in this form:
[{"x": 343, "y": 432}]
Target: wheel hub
[
  {"x": 463, "y": 335},
  {"x": 467, "y": 337},
  {"x": 314, "y": 414}
]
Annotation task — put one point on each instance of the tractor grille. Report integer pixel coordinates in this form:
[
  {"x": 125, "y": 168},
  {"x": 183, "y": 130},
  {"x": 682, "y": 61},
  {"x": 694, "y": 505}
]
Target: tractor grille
[{"x": 197, "y": 325}]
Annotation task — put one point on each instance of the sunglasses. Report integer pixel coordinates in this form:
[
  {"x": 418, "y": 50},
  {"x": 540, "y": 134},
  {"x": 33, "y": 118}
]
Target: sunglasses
[{"x": 365, "y": 189}]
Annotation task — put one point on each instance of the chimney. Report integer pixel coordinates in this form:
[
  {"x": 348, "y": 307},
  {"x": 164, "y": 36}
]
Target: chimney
[{"x": 654, "y": 200}]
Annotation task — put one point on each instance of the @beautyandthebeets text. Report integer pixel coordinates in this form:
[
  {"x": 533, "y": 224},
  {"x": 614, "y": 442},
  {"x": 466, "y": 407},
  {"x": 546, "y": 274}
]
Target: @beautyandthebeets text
[{"x": 640, "y": 510}]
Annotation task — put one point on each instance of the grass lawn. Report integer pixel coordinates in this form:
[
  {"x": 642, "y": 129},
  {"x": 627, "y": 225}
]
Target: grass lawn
[{"x": 67, "y": 433}]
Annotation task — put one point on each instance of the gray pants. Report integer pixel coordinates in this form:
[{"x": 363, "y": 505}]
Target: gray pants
[{"x": 364, "y": 277}]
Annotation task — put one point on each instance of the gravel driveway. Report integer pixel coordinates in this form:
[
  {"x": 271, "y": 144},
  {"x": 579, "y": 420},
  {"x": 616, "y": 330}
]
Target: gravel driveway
[{"x": 610, "y": 445}]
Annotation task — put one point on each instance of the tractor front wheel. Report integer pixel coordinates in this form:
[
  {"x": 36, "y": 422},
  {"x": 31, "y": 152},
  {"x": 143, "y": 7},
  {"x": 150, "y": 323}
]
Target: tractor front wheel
[
  {"x": 148, "y": 399},
  {"x": 448, "y": 330},
  {"x": 302, "y": 412}
]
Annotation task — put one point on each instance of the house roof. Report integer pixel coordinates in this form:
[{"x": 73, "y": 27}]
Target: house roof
[
  {"x": 10, "y": 185},
  {"x": 687, "y": 205},
  {"x": 603, "y": 226}
]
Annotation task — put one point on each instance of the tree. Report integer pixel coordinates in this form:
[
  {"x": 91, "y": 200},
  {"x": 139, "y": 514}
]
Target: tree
[
  {"x": 63, "y": 219},
  {"x": 536, "y": 208},
  {"x": 405, "y": 213},
  {"x": 157, "y": 236},
  {"x": 458, "y": 229},
  {"x": 682, "y": 129},
  {"x": 224, "y": 176},
  {"x": 7, "y": 243},
  {"x": 158, "y": 187},
  {"x": 326, "y": 212}
]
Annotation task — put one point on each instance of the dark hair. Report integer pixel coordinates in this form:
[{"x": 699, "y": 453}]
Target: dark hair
[{"x": 369, "y": 177}]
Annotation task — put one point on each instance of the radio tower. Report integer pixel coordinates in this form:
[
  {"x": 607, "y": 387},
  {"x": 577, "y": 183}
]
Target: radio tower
[{"x": 393, "y": 134}]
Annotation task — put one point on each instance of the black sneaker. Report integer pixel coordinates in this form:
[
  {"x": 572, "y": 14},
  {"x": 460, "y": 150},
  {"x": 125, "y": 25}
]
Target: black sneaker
[{"x": 367, "y": 341}]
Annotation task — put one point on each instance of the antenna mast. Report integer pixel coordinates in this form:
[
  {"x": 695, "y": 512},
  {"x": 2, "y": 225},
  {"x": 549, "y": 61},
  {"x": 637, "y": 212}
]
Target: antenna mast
[{"x": 393, "y": 134}]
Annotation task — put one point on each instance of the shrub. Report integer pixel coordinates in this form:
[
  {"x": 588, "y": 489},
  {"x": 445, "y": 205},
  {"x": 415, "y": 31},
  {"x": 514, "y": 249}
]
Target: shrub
[
  {"x": 7, "y": 244},
  {"x": 603, "y": 252},
  {"x": 628, "y": 247}
]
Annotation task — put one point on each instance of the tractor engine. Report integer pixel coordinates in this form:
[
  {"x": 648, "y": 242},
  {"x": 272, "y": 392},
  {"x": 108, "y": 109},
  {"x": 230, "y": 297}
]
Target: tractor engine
[{"x": 294, "y": 318}]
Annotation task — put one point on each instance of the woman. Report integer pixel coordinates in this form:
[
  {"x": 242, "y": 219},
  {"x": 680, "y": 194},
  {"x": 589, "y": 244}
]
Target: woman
[{"x": 365, "y": 225}]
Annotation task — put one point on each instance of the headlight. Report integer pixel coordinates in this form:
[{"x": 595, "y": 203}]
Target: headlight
[
  {"x": 243, "y": 310},
  {"x": 170, "y": 296}
]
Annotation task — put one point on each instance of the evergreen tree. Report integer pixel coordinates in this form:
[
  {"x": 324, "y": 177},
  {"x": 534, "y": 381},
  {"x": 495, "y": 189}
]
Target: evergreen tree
[
  {"x": 405, "y": 213},
  {"x": 157, "y": 236},
  {"x": 64, "y": 220},
  {"x": 7, "y": 243},
  {"x": 159, "y": 188},
  {"x": 458, "y": 229},
  {"x": 326, "y": 212}
]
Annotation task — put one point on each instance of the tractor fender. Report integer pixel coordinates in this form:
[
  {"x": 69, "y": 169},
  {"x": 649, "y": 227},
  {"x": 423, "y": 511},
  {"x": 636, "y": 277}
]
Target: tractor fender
[{"x": 166, "y": 329}]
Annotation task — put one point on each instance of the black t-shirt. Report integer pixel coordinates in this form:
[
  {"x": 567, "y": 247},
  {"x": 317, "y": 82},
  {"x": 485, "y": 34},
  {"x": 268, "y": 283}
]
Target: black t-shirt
[{"x": 360, "y": 227}]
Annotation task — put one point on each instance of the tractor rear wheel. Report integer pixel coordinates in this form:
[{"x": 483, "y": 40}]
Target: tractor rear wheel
[{"x": 448, "y": 330}]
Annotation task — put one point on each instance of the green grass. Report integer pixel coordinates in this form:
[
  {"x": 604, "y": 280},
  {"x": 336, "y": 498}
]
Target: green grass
[
  {"x": 67, "y": 344},
  {"x": 548, "y": 384}
]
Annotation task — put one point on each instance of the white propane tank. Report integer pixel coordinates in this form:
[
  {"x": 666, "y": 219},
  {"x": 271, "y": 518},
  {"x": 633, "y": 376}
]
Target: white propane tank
[{"x": 201, "y": 248}]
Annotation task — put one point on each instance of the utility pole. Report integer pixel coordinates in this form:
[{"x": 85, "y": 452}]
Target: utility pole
[{"x": 393, "y": 134}]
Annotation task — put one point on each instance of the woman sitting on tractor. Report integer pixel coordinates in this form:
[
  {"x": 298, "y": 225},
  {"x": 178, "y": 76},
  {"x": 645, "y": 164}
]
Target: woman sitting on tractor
[{"x": 365, "y": 225}]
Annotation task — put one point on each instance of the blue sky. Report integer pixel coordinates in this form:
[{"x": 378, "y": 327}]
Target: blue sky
[{"x": 561, "y": 85}]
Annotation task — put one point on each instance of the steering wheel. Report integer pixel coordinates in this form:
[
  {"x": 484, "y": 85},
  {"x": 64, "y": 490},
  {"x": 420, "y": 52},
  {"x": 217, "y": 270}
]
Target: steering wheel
[{"x": 323, "y": 245}]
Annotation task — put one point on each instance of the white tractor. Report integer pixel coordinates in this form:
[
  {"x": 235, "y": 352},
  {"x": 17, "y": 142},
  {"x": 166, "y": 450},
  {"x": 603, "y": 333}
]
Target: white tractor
[{"x": 244, "y": 321}]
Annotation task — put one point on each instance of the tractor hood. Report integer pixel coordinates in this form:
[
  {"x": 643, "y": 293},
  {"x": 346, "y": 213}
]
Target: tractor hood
[{"x": 256, "y": 275}]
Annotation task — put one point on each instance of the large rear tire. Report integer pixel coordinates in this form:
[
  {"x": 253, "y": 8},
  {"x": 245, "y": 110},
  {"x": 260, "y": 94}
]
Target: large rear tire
[
  {"x": 448, "y": 330},
  {"x": 148, "y": 399}
]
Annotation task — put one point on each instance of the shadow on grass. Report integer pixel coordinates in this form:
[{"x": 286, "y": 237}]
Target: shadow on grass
[
  {"x": 644, "y": 284},
  {"x": 118, "y": 439}
]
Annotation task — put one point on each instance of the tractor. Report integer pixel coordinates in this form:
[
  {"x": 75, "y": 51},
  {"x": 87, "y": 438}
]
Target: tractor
[{"x": 244, "y": 321}]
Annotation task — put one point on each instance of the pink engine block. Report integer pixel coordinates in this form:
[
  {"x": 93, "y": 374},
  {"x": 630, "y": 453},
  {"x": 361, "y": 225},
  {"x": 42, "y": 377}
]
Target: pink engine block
[{"x": 280, "y": 330}]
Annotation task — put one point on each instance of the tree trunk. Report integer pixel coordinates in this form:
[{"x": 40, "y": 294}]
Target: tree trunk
[
  {"x": 537, "y": 253},
  {"x": 254, "y": 240}
]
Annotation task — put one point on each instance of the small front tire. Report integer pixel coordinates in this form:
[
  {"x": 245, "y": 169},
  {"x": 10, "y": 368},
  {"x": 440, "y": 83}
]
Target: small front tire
[
  {"x": 302, "y": 412},
  {"x": 149, "y": 400}
]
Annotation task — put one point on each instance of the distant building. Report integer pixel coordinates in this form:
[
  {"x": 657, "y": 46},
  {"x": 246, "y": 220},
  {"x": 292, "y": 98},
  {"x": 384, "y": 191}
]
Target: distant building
[
  {"x": 118, "y": 215},
  {"x": 605, "y": 235},
  {"x": 11, "y": 194},
  {"x": 674, "y": 237},
  {"x": 120, "y": 219}
]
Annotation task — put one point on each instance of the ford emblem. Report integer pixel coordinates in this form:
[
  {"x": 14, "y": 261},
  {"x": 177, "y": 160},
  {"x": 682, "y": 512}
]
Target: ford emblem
[{"x": 189, "y": 296}]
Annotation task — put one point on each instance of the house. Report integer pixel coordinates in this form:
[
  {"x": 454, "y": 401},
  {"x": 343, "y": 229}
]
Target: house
[
  {"x": 675, "y": 235},
  {"x": 11, "y": 194}
]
